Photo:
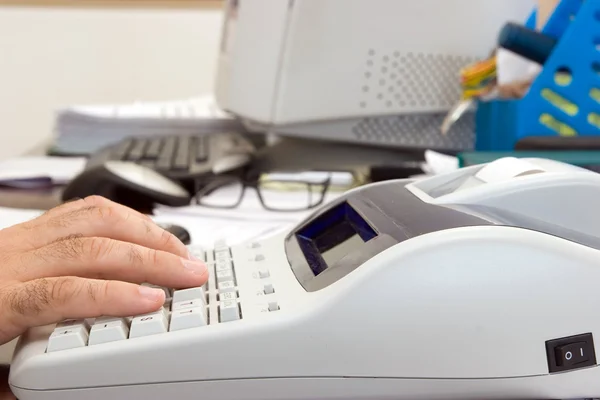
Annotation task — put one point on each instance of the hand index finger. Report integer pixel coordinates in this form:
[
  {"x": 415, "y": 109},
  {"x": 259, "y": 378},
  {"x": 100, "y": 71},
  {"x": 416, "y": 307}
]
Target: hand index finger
[
  {"x": 51, "y": 300},
  {"x": 98, "y": 217}
]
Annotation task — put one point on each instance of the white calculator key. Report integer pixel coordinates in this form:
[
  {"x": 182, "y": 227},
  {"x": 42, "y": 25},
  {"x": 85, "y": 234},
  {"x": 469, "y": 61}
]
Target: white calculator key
[
  {"x": 223, "y": 266},
  {"x": 188, "y": 304},
  {"x": 189, "y": 294},
  {"x": 109, "y": 330},
  {"x": 224, "y": 275},
  {"x": 226, "y": 286},
  {"x": 68, "y": 338},
  {"x": 166, "y": 290},
  {"x": 197, "y": 252},
  {"x": 268, "y": 287},
  {"x": 188, "y": 318},
  {"x": 70, "y": 323},
  {"x": 227, "y": 296},
  {"x": 229, "y": 311},
  {"x": 221, "y": 245},
  {"x": 264, "y": 273},
  {"x": 222, "y": 255},
  {"x": 273, "y": 306},
  {"x": 149, "y": 324}
]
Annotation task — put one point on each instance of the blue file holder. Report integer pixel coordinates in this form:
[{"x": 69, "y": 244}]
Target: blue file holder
[{"x": 564, "y": 99}]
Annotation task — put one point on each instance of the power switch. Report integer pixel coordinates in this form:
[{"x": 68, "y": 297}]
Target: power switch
[{"x": 571, "y": 353}]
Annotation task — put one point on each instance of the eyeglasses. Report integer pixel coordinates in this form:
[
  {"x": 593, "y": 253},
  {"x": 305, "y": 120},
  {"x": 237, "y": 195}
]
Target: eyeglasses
[{"x": 274, "y": 194}]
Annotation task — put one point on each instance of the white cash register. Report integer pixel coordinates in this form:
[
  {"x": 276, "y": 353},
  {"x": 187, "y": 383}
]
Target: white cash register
[{"x": 477, "y": 284}]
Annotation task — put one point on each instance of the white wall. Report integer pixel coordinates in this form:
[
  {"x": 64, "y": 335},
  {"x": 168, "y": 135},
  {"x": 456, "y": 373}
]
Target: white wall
[{"x": 55, "y": 57}]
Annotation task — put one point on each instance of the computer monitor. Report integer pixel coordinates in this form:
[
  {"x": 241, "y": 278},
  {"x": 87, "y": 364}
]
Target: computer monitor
[{"x": 382, "y": 72}]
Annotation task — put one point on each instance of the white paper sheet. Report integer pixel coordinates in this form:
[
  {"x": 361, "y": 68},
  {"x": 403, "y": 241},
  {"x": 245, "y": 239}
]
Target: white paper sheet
[
  {"x": 13, "y": 216},
  {"x": 191, "y": 108},
  {"x": 438, "y": 163},
  {"x": 203, "y": 230},
  {"x": 206, "y": 231},
  {"x": 515, "y": 68}
]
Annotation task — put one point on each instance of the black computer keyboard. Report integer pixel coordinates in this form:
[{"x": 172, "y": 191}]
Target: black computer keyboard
[{"x": 184, "y": 159}]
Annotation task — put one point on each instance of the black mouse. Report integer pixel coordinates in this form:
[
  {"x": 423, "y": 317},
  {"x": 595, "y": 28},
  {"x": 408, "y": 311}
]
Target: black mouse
[
  {"x": 127, "y": 183},
  {"x": 180, "y": 232}
]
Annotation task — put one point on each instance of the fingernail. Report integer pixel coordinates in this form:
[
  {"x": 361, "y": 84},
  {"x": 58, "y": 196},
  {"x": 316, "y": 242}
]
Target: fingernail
[
  {"x": 197, "y": 267},
  {"x": 151, "y": 293}
]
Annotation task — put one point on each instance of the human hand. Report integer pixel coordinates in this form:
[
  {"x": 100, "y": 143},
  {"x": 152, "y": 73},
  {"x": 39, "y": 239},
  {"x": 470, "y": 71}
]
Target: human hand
[{"x": 86, "y": 259}]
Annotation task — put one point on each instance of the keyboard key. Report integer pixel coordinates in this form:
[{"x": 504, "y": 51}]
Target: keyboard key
[
  {"x": 108, "y": 329},
  {"x": 273, "y": 306},
  {"x": 264, "y": 273},
  {"x": 188, "y": 304},
  {"x": 121, "y": 150},
  {"x": 153, "y": 149},
  {"x": 69, "y": 323},
  {"x": 166, "y": 154},
  {"x": 137, "y": 151},
  {"x": 201, "y": 149},
  {"x": 224, "y": 276},
  {"x": 268, "y": 288},
  {"x": 223, "y": 266},
  {"x": 147, "y": 164},
  {"x": 70, "y": 337},
  {"x": 227, "y": 296},
  {"x": 189, "y": 294},
  {"x": 221, "y": 245},
  {"x": 226, "y": 286},
  {"x": 149, "y": 324},
  {"x": 222, "y": 255},
  {"x": 198, "y": 252},
  {"x": 188, "y": 318},
  {"x": 182, "y": 154},
  {"x": 167, "y": 291},
  {"x": 163, "y": 164},
  {"x": 229, "y": 311}
]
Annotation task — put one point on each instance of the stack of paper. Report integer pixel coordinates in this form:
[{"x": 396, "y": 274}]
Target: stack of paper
[{"x": 83, "y": 130}]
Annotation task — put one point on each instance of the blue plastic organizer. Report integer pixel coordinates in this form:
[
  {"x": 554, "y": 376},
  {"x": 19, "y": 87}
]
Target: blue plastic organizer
[{"x": 500, "y": 124}]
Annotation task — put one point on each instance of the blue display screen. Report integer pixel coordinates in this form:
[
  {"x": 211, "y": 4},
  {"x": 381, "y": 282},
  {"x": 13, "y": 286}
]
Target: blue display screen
[{"x": 330, "y": 230}]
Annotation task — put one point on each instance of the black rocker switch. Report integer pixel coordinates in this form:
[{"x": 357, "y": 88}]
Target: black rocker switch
[{"x": 571, "y": 353}]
